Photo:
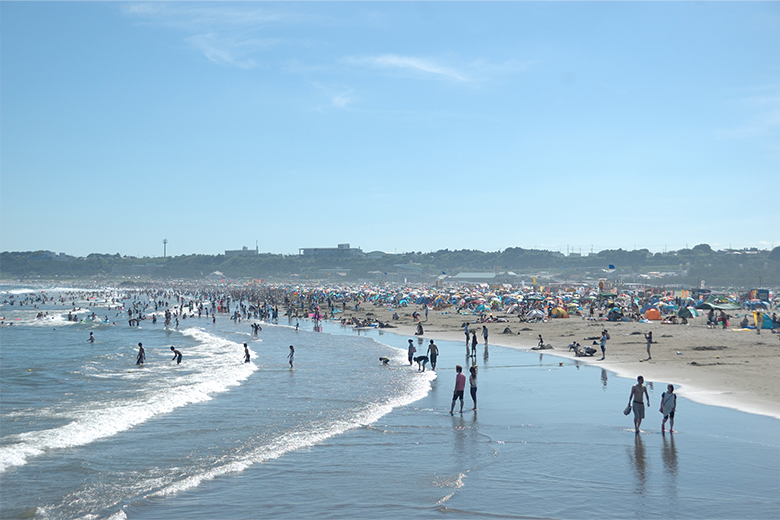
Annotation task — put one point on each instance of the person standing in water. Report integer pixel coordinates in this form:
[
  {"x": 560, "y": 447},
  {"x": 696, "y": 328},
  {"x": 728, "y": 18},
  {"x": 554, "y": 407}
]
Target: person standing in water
[
  {"x": 460, "y": 385},
  {"x": 474, "y": 343},
  {"x": 668, "y": 407},
  {"x": 291, "y": 356},
  {"x": 433, "y": 354},
  {"x": 410, "y": 352},
  {"x": 635, "y": 399},
  {"x": 91, "y": 338},
  {"x": 141, "y": 355},
  {"x": 473, "y": 384},
  {"x": 176, "y": 356},
  {"x": 246, "y": 353},
  {"x": 485, "y": 333}
]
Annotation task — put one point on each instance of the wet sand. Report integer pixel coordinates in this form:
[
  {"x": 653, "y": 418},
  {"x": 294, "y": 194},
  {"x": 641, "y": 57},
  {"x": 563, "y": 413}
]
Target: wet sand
[{"x": 734, "y": 369}]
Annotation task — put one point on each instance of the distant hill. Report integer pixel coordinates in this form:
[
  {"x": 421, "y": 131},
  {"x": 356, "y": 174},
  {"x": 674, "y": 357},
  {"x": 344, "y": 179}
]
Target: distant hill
[{"x": 727, "y": 268}]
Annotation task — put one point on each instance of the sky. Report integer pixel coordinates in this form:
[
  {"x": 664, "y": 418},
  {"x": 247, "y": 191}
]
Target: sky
[{"x": 396, "y": 126}]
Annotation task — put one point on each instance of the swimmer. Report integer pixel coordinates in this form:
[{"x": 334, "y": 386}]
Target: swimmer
[{"x": 176, "y": 355}]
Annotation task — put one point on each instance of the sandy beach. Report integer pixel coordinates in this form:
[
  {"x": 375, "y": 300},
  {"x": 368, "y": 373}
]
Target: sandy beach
[{"x": 733, "y": 369}]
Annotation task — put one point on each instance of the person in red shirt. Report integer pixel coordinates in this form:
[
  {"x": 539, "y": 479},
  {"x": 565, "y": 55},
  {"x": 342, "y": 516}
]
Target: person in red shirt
[{"x": 460, "y": 385}]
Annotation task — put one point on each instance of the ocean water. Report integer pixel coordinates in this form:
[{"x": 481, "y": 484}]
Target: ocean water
[{"x": 85, "y": 433}]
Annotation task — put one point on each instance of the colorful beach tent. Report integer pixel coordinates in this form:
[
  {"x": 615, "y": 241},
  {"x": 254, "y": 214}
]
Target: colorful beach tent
[
  {"x": 687, "y": 312},
  {"x": 653, "y": 314}
]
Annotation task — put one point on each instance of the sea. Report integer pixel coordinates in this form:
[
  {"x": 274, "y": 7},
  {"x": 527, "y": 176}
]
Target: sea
[{"x": 86, "y": 433}]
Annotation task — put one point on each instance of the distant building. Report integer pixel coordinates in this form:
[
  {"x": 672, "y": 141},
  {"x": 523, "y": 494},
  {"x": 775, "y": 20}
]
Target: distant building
[
  {"x": 342, "y": 251},
  {"x": 490, "y": 277},
  {"x": 244, "y": 251}
]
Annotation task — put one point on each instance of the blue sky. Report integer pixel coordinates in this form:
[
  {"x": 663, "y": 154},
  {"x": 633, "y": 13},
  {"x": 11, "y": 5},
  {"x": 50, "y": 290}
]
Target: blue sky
[{"x": 391, "y": 126}]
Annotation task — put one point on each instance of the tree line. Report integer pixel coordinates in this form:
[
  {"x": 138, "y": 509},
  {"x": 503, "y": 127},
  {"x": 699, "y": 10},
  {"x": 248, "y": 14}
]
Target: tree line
[{"x": 745, "y": 268}]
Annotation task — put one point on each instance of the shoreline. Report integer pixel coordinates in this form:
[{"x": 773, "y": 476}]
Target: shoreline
[{"x": 732, "y": 369}]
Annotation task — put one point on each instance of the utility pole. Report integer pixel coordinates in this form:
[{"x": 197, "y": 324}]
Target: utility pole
[{"x": 165, "y": 247}]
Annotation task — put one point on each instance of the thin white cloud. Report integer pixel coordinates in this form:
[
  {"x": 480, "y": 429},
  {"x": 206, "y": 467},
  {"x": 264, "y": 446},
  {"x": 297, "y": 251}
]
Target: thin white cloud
[
  {"x": 235, "y": 51},
  {"x": 228, "y": 34},
  {"x": 409, "y": 63},
  {"x": 473, "y": 72},
  {"x": 339, "y": 96}
]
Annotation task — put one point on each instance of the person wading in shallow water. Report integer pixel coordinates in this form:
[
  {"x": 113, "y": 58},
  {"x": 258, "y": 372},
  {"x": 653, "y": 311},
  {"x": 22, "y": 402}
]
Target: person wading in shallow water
[
  {"x": 668, "y": 407},
  {"x": 635, "y": 399},
  {"x": 460, "y": 385},
  {"x": 473, "y": 384},
  {"x": 176, "y": 356},
  {"x": 433, "y": 354}
]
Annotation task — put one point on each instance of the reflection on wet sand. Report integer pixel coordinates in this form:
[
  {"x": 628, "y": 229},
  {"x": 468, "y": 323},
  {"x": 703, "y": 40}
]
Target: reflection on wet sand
[
  {"x": 638, "y": 463},
  {"x": 670, "y": 454}
]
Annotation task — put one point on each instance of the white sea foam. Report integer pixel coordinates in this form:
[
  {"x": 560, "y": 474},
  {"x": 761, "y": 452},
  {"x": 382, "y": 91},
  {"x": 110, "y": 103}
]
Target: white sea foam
[
  {"x": 314, "y": 433},
  {"x": 94, "y": 419}
]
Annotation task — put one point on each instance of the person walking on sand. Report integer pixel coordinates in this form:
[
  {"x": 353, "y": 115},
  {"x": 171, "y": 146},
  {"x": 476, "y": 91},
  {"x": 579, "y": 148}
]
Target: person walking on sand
[
  {"x": 485, "y": 333},
  {"x": 246, "y": 353},
  {"x": 473, "y": 384},
  {"x": 411, "y": 350},
  {"x": 649, "y": 338},
  {"x": 466, "y": 332},
  {"x": 433, "y": 354},
  {"x": 291, "y": 356},
  {"x": 474, "y": 343},
  {"x": 635, "y": 399},
  {"x": 141, "y": 355},
  {"x": 176, "y": 356},
  {"x": 460, "y": 385},
  {"x": 668, "y": 406}
]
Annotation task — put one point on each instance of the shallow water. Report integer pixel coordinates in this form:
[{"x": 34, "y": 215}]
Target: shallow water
[{"x": 85, "y": 432}]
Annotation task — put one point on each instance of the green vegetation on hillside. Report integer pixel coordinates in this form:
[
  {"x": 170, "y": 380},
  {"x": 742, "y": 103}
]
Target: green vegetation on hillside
[{"x": 746, "y": 268}]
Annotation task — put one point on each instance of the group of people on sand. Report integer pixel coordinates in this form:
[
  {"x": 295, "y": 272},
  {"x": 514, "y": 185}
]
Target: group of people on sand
[{"x": 636, "y": 404}]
